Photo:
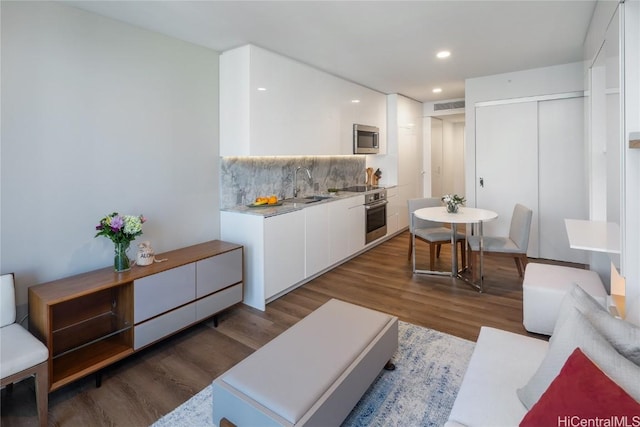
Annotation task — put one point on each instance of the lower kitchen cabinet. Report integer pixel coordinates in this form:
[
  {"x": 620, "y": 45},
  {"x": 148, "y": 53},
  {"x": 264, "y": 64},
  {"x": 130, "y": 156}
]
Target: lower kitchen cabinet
[
  {"x": 317, "y": 238},
  {"x": 283, "y": 251},
  {"x": 274, "y": 251},
  {"x": 346, "y": 228},
  {"x": 393, "y": 210},
  {"x": 357, "y": 228},
  {"x": 92, "y": 320}
]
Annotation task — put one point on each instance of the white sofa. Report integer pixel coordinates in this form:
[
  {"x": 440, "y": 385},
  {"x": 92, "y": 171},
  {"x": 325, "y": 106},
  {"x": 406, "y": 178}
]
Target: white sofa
[
  {"x": 507, "y": 369},
  {"x": 501, "y": 363}
]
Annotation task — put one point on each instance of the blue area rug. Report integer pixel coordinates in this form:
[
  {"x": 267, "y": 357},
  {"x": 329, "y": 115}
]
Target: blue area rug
[{"x": 420, "y": 392}]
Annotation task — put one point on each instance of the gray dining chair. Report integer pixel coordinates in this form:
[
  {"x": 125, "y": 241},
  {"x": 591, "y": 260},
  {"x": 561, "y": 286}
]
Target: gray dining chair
[
  {"x": 513, "y": 246},
  {"x": 433, "y": 233}
]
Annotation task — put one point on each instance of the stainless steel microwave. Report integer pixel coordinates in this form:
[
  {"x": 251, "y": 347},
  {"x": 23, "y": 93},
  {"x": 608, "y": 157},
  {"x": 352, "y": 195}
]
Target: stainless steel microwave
[{"x": 365, "y": 139}]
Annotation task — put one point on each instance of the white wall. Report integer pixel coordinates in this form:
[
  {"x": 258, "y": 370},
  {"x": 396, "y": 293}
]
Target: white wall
[
  {"x": 631, "y": 187},
  {"x": 603, "y": 170},
  {"x": 99, "y": 116}
]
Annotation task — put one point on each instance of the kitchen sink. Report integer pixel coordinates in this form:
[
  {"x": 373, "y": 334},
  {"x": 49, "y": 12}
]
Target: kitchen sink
[{"x": 306, "y": 200}]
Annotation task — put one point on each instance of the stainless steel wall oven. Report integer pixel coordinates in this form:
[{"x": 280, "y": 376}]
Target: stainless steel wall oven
[{"x": 375, "y": 205}]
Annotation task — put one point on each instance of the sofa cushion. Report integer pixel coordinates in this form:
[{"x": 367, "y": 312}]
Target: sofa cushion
[
  {"x": 581, "y": 390},
  {"x": 501, "y": 362},
  {"x": 623, "y": 336},
  {"x": 576, "y": 331}
]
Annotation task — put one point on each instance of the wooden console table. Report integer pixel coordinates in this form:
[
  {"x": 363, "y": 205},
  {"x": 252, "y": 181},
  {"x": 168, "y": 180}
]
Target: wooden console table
[{"x": 94, "y": 319}]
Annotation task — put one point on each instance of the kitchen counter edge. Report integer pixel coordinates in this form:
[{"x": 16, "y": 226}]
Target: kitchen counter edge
[{"x": 269, "y": 211}]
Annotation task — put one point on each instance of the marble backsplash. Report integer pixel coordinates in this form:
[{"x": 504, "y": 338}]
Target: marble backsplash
[{"x": 242, "y": 179}]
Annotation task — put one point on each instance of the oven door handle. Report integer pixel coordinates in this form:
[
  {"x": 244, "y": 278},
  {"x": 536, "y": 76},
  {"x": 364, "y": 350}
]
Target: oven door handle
[{"x": 375, "y": 205}]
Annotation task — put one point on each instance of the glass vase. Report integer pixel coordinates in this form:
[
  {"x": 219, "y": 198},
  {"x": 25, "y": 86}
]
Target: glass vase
[
  {"x": 452, "y": 207},
  {"x": 121, "y": 260}
]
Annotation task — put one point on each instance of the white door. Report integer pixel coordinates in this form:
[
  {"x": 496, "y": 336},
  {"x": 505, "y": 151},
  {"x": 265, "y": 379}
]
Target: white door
[
  {"x": 436, "y": 157},
  {"x": 507, "y": 164},
  {"x": 563, "y": 176}
]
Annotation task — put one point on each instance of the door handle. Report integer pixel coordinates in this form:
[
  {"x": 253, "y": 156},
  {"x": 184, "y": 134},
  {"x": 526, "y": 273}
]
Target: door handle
[{"x": 481, "y": 182}]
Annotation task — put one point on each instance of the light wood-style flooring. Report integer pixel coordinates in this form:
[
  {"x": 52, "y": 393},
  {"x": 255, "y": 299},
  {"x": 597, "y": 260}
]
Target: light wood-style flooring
[{"x": 139, "y": 390}]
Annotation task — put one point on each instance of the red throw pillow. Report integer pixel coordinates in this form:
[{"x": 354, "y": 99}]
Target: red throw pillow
[{"x": 580, "y": 394}]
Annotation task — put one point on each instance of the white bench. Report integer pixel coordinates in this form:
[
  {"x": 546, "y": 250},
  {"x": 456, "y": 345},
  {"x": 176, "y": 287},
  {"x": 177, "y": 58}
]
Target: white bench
[
  {"x": 543, "y": 288},
  {"x": 314, "y": 373}
]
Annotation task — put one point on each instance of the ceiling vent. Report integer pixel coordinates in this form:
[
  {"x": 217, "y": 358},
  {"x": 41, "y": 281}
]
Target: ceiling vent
[{"x": 448, "y": 105}]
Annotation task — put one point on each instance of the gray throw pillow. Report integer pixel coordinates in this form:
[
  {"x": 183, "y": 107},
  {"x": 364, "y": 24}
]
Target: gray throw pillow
[
  {"x": 578, "y": 298},
  {"x": 623, "y": 336},
  {"x": 576, "y": 331}
]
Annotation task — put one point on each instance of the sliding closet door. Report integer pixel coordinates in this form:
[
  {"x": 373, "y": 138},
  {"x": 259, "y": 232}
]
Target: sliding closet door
[
  {"x": 533, "y": 152},
  {"x": 507, "y": 164},
  {"x": 563, "y": 176}
]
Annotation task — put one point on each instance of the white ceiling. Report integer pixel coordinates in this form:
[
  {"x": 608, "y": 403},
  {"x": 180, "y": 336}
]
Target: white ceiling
[{"x": 389, "y": 46}]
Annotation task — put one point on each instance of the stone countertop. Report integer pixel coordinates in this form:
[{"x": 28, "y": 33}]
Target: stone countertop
[{"x": 287, "y": 207}]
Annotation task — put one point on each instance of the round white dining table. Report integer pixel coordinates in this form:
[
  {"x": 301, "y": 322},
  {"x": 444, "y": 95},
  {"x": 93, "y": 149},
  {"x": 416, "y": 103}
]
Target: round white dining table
[{"x": 465, "y": 215}]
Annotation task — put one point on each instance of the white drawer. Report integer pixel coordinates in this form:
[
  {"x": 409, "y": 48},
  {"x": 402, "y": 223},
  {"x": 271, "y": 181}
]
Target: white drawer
[
  {"x": 212, "y": 304},
  {"x": 158, "y": 328},
  {"x": 164, "y": 291},
  {"x": 218, "y": 272}
]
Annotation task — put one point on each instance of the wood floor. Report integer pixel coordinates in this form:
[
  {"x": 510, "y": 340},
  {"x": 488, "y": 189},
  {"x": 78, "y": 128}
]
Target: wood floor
[{"x": 139, "y": 390}]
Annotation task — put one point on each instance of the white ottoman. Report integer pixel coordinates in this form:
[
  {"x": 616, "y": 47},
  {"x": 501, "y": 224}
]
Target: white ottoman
[
  {"x": 543, "y": 288},
  {"x": 313, "y": 374}
]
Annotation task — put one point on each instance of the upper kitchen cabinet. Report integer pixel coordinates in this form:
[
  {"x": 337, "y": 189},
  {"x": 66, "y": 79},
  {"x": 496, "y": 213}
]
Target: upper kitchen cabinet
[{"x": 271, "y": 106}]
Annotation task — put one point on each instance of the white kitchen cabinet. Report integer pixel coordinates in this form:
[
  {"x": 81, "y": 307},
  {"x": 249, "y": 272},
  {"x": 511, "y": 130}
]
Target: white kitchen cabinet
[
  {"x": 273, "y": 105},
  {"x": 316, "y": 238},
  {"x": 338, "y": 230},
  {"x": 346, "y": 228},
  {"x": 357, "y": 227},
  {"x": 283, "y": 252},
  {"x": 274, "y": 252},
  {"x": 393, "y": 210}
]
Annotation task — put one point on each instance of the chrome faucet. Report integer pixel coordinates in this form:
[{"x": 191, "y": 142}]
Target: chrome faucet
[{"x": 295, "y": 179}]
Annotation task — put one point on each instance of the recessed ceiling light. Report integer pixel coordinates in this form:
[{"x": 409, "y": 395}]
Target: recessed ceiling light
[
  {"x": 443, "y": 54},
  {"x": 355, "y": 101},
  {"x": 436, "y": 90},
  {"x": 262, "y": 89}
]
